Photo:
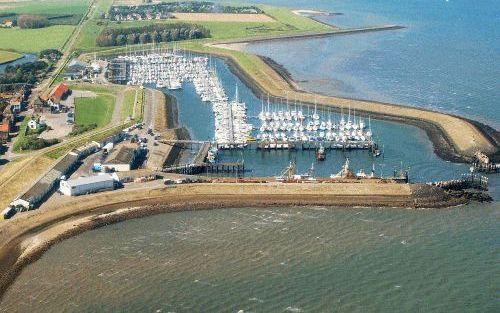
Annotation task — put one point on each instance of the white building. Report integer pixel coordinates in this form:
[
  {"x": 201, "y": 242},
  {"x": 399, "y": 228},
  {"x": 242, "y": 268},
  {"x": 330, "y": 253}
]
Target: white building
[
  {"x": 85, "y": 185},
  {"x": 121, "y": 159},
  {"x": 32, "y": 124}
]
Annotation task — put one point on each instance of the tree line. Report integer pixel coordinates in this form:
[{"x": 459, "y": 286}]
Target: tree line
[
  {"x": 182, "y": 7},
  {"x": 27, "y": 73},
  {"x": 151, "y": 33},
  {"x": 32, "y": 21}
]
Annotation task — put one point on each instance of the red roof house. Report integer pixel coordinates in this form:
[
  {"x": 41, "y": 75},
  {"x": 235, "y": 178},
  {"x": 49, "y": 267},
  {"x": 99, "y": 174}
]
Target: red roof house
[
  {"x": 58, "y": 93},
  {"x": 4, "y": 132}
]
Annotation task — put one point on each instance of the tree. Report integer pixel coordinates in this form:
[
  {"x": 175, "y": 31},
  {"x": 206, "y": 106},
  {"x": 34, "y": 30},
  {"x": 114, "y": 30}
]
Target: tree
[
  {"x": 121, "y": 39},
  {"x": 132, "y": 39},
  {"x": 175, "y": 34},
  {"x": 156, "y": 36},
  {"x": 165, "y": 35},
  {"x": 32, "y": 21},
  {"x": 144, "y": 38}
]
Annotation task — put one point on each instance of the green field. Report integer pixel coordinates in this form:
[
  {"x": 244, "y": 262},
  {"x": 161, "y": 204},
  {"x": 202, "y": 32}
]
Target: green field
[
  {"x": 7, "y": 56},
  {"x": 35, "y": 40},
  {"x": 46, "y": 6},
  {"x": 96, "y": 110},
  {"x": 286, "y": 22}
]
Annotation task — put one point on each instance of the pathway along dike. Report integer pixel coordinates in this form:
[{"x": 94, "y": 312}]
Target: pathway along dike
[{"x": 26, "y": 237}]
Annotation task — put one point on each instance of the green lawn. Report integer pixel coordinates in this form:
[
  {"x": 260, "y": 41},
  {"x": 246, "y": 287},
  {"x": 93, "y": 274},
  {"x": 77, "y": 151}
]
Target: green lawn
[
  {"x": 7, "y": 56},
  {"x": 99, "y": 89},
  {"x": 96, "y": 110},
  {"x": 22, "y": 133},
  {"x": 35, "y": 40}
]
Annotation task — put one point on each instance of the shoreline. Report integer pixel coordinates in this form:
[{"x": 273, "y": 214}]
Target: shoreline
[
  {"x": 28, "y": 236},
  {"x": 443, "y": 148},
  {"x": 479, "y": 137},
  {"x": 21, "y": 56},
  {"x": 297, "y": 36}
]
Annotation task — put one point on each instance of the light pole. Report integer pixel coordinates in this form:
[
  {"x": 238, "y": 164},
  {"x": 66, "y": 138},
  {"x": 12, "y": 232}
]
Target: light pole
[{"x": 471, "y": 169}]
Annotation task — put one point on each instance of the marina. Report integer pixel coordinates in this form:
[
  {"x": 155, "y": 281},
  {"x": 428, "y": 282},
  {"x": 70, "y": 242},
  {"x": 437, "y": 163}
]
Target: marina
[
  {"x": 282, "y": 126},
  {"x": 252, "y": 172},
  {"x": 169, "y": 69}
]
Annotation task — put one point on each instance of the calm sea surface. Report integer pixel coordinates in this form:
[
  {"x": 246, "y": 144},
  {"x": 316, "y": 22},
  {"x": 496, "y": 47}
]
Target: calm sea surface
[
  {"x": 447, "y": 58},
  {"x": 314, "y": 259},
  {"x": 276, "y": 260}
]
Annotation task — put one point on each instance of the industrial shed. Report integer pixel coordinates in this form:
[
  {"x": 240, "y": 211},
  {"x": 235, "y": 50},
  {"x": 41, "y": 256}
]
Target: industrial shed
[
  {"x": 47, "y": 183},
  {"x": 122, "y": 159},
  {"x": 85, "y": 185}
]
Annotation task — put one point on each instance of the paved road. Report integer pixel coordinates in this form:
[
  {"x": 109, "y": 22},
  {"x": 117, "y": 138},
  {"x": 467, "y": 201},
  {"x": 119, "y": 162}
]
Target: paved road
[{"x": 149, "y": 104}]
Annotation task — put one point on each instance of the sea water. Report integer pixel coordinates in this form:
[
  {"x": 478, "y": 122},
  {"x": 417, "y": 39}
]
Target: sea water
[
  {"x": 446, "y": 59},
  {"x": 316, "y": 259}
]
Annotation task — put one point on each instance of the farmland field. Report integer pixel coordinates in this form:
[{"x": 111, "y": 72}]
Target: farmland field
[
  {"x": 281, "y": 20},
  {"x": 223, "y": 17},
  {"x": 35, "y": 40},
  {"x": 94, "y": 110},
  {"x": 45, "y": 6},
  {"x": 7, "y": 56}
]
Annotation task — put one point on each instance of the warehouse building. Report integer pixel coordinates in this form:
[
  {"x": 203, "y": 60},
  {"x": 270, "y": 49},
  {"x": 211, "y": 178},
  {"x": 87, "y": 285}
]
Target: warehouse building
[
  {"x": 47, "y": 183},
  {"x": 86, "y": 185},
  {"x": 122, "y": 159}
]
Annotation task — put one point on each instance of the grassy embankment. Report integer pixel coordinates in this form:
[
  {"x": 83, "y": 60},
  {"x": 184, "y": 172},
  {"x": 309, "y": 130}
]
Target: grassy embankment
[
  {"x": 132, "y": 103},
  {"x": 8, "y": 56}
]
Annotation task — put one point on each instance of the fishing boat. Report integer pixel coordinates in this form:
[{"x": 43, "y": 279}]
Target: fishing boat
[{"x": 321, "y": 153}]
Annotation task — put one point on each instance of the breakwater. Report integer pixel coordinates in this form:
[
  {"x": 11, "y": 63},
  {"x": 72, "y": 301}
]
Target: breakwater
[
  {"x": 27, "y": 236},
  {"x": 334, "y": 32},
  {"x": 454, "y": 138}
]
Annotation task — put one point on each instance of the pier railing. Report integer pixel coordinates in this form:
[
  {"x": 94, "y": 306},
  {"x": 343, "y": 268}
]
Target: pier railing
[
  {"x": 467, "y": 181},
  {"x": 212, "y": 168}
]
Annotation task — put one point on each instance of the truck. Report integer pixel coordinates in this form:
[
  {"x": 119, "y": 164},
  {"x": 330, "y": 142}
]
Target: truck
[{"x": 9, "y": 212}]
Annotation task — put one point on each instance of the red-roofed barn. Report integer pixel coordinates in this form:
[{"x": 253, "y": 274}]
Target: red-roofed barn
[{"x": 59, "y": 92}]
